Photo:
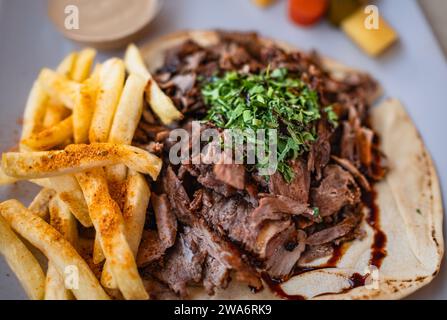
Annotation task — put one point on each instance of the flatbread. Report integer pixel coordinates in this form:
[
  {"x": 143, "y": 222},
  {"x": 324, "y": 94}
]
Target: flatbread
[{"x": 409, "y": 200}]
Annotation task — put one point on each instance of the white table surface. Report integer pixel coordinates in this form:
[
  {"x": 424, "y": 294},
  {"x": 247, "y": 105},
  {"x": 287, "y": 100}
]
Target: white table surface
[{"x": 415, "y": 71}]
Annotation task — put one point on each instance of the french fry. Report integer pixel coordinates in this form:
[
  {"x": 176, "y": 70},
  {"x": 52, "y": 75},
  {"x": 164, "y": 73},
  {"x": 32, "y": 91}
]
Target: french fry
[
  {"x": 128, "y": 112},
  {"x": 83, "y": 64},
  {"x": 34, "y": 111},
  {"x": 125, "y": 122},
  {"x": 76, "y": 158},
  {"x": 22, "y": 262},
  {"x": 58, "y": 250},
  {"x": 111, "y": 82},
  {"x": 40, "y": 204},
  {"x": 70, "y": 193},
  {"x": 85, "y": 107},
  {"x": 63, "y": 221},
  {"x": 134, "y": 214},
  {"x": 66, "y": 66},
  {"x": 51, "y": 137},
  {"x": 98, "y": 254},
  {"x": 58, "y": 87},
  {"x": 44, "y": 182},
  {"x": 55, "y": 285},
  {"x": 160, "y": 103},
  {"x": 109, "y": 224},
  {"x": 134, "y": 62},
  {"x": 54, "y": 114},
  {"x": 5, "y": 179}
]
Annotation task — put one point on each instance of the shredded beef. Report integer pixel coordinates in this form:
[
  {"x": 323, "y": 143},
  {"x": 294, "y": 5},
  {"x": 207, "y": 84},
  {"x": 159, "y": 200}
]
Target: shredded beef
[
  {"x": 213, "y": 220},
  {"x": 151, "y": 248},
  {"x": 166, "y": 220},
  {"x": 337, "y": 189},
  {"x": 297, "y": 189},
  {"x": 332, "y": 233},
  {"x": 183, "y": 265}
]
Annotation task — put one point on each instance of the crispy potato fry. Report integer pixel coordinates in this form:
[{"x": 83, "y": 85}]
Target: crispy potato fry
[
  {"x": 125, "y": 122},
  {"x": 76, "y": 158},
  {"x": 40, "y": 204},
  {"x": 34, "y": 111},
  {"x": 134, "y": 214},
  {"x": 83, "y": 64},
  {"x": 22, "y": 262},
  {"x": 128, "y": 112},
  {"x": 63, "y": 221},
  {"x": 5, "y": 179},
  {"x": 44, "y": 183},
  {"x": 58, "y": 87},
  {"x": 51, "y": 137},
  {"x": 109, "y": 224},
  {"x": 160, "y": 103},
  {"x": 54, "y": 114},
  {"x": 55, "y": 285},
  {"x": 85, "y": 107},
  {"x": 111, "y": 82},
  {"x": 134, "y": 62},
  {"x": 66, "y": 66},
  {"x": 70, "y": 193},
  {"x": 98, "y": 254},
  {"x": 116, "y": 173},
  {"x": 58, "y": 250}
]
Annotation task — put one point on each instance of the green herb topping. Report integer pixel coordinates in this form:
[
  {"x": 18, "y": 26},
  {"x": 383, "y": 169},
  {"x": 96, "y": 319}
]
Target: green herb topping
[{"x": 270, "y": 100}]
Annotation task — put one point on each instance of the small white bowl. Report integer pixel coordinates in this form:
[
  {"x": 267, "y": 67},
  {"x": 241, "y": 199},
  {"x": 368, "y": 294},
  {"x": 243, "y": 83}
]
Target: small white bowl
[{"x": 105, "y": 24}]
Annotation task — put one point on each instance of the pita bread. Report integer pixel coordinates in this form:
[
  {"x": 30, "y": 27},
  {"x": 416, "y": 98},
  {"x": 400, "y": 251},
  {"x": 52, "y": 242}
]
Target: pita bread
[{"x": 409, "y": 200}]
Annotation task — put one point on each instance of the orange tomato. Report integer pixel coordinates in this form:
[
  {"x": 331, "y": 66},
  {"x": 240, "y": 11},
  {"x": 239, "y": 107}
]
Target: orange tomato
[{"x": 307, "y": 12}]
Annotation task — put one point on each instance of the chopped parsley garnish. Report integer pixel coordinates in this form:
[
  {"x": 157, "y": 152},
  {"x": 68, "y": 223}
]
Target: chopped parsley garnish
[
  {"x": 316, "y": 212},
  {"x": 270, "y": 100}
]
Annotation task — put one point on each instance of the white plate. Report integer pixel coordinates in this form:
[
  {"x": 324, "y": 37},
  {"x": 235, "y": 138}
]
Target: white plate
[{"x": 414, "y": 71}]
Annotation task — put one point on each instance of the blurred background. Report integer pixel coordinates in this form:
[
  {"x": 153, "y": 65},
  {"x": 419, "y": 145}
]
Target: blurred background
[{"x": 406, "y": 54}]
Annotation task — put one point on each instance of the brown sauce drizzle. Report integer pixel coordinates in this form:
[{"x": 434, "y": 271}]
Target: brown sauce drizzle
[{"x": 378, "y": 250}]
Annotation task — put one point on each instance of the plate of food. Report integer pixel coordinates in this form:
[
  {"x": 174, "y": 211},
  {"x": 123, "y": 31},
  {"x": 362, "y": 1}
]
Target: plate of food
[{"x": 140, "y": 199}]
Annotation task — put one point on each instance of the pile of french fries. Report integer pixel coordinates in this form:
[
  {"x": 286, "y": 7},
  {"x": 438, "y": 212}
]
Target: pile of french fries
[{"x": 78, "y": 125}]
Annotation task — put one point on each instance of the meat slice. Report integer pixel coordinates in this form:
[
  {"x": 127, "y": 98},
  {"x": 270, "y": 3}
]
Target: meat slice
[
  {"x": 284, "y": 251},
  {"x": 208, "y": 179},
  {"x": 298, "y": 188},
  {"x": 216, "y": 275},
  {"x": 278, "y": 208},
  {"x": 177, "y": 195},
  {"x": 346, "y": 164},
  {"x": 201, "y": 241},
  {"x": 183, "y": 82},
  {"x": 226, "y": 254},
  {"x": 157, "y": 290},
  {"x": 230, "y": 217},
  {"x": 320, "y": 151},
  {"x": 364, "y": 141},
  {"x": 183, "y": 265},
  {"x": 330, "y": 234},
  {"x": 315, "y": 252},
  {"x": 231, "y": 174},
  {"x": 151, "y": 248},
  {"x": 264, "y": 234},
  {"x": 337, "y": 189},
  {"x": 348, "y": 143},
  {"x": 165, "y": 218}
]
